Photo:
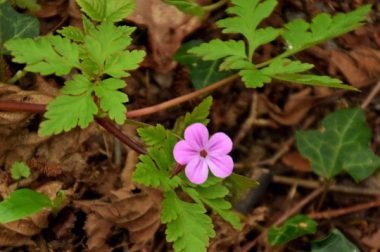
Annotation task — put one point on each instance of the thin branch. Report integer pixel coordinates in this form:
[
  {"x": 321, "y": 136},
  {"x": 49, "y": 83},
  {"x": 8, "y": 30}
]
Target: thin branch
[
  {"x": 111, "y": 128},
  {"x": 343, "y": 211},
  {"x": 371, "y": 95},
  {"x": 39, "y": 108}
]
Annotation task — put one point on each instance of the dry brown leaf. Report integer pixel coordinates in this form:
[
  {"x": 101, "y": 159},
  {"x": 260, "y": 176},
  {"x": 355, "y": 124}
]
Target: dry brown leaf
[
  {"x": 373, "y": 240},
  {"x": 97, "y": 230},
  {"x": 361, "y": 66},
  {"x": 167, "y": 27},
  {"x": 296, "y": 161},
  {"x": 295, "y": 109},
  {"x": 136, "y": 212},
  {"x": 9, "y": 238}
]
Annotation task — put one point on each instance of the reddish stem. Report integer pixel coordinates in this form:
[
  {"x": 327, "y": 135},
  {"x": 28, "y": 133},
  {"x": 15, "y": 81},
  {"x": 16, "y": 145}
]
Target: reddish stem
[
  {"x": 12, "y": 106},
  {"x": 111, "y": 128}
]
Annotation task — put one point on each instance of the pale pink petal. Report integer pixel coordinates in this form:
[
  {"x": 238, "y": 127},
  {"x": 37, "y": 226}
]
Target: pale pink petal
[
  {"x": 196, "y": 170},
  {"x": 197, "y": 136},
  {"x": 183, "y": 152},
  {"x": 219, "y": 143},
  {"x": 220, "y": 166}
]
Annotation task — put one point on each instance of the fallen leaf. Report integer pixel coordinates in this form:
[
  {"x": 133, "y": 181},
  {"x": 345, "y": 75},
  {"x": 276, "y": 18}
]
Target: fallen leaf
[
  {"x": 167, "y": 27},
  {"x": 296, "y": 161}
]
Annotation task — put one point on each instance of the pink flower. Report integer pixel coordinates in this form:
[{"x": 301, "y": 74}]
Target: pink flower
[{"x": 199, "y": 153}]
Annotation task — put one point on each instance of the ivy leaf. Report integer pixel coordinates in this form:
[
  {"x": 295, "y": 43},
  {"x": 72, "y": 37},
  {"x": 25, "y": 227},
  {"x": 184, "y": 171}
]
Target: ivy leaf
[
  {"x": 73, "y": 33},
  {"x": 249, "y": 14},
  {"x": 67, "y": 111},
  {"x": 202, "y": 73},
  {"x": 337, "y": 147},
  {"x": 19, "y": 170},
  {"x": 187, "y": 224},
  {"x": 16, "y": 25},
  {"x": 292, "y": 228},
  {"x": 111, "y": 100},
  {"x": 118, "y": 65},
  {"x": 45, "y": 55},
  {"x": 301, "y": 35},
  {"x": 107, "y": 10},
  {"x": 22, "y": 203},
  {"x": 214, "y": 196},
  {"x": 335, "y": 241},
  {"x": 187, "y": 6}
]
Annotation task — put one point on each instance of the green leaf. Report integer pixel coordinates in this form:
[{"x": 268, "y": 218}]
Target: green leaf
[
  {"x": 187, "y": 6},
  {"x": 219, "y": 49},
  {"x": 248, "y": 15},
  {"x": 187, "y": 224},
  {"x": 66, "y": 112},
  {"x": 301, "y": 35},
  {"x": 111, "y": 100},
  {"x": 285, "y": 66},
  {"x": 31, "y": 5},
  {"x": 335, "y": 241},
  {"x": 292, "y": 228},
  {"x": 238, "y": 185},
  {"x": 72, "y": 33},
  {"x": 214, "y": 196},
  {"x": 155, "y": 169},
  {"x": 118, "y": 64},
  {"x": 19, "y": 170},
  {"x": 153, "y": 135},
  {"x": 342, "y": 145},
  {"x": 202, "y": 73},
  {"x": 16, "y": 25},
  {"x": 107, "y": 10},
  {"x": 105, "y": 42},
  {"x": 314, "y": 80},
  {"x": 45, "y": 55},
  {"x": 22, "y": 203},
  {"x": 254, "y": 78},
  {"x": 199, "y": 114},
  {"x": 77, "y": 86}
]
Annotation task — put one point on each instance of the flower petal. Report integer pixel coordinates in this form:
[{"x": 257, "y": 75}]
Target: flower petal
[
  {"x": 196, "y": 170},
  {"x": 219, "y": 143},
  {"x": 220, "y": 166},
  {"x": 197, "y": 136},
  {"x": 183, "y": 152}
]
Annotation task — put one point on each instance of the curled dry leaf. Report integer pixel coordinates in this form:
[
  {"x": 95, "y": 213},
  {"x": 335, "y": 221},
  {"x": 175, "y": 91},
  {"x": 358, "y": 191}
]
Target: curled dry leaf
[
  {"x": 295, "y": 109},
  {"x": 138, "y": 213},
  {"x": 11, "y": 239},
  {"x": 361, "y": 66},
  {"x": 97, "y": 230},
  {"x": 167, "y": 27}
]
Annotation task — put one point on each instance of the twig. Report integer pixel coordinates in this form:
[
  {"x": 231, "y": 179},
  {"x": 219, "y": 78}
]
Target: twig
[
  {"x": 180, "y": 99},
  {"x": 315, "y": 184},
  {"x": 39, "y": 108},
  {"x": 371, "y": 95},
  {"x": 111, "y": 128},
  {"x": 285, "y": 216},
  {"x": 343, "y": 211}
]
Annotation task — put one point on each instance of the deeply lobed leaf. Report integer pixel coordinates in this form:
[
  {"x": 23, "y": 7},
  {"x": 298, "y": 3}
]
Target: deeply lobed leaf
[{"x": 107, "y": 10}]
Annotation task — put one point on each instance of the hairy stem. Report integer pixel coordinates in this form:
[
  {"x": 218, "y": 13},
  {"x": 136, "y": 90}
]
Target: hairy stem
[
  {"x": 111, "y": 128},
  {"x": 215, "y": 6},
  {"x": 39, "y": 108},
  {"x": 17, "y": 76}
]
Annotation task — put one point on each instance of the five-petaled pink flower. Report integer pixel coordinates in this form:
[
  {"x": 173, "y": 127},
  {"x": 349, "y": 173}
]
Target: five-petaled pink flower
[{"x": 199, "y": 153}]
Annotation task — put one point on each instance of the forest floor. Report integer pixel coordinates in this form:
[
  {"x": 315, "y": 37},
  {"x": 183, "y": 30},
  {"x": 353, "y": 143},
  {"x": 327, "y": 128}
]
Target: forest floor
[{"x": 108, "y": 212}]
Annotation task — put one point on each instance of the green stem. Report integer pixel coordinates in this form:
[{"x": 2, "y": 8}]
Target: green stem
[
  {"x": 17, "y": 76},
  {"x": 215, "y": 6},
  {"x": 326, "y": 186}
]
